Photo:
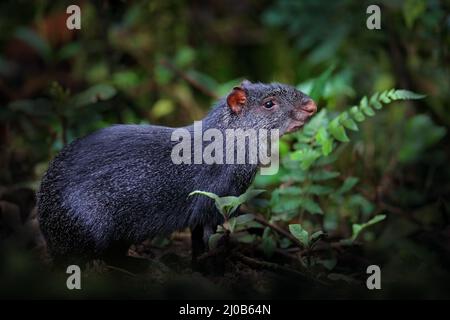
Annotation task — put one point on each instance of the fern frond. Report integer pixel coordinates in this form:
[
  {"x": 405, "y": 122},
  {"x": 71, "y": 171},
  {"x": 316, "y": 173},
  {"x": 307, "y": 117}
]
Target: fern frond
[
  {"x": 402, "y": 94},
  {"x": 336, "y": 128}
]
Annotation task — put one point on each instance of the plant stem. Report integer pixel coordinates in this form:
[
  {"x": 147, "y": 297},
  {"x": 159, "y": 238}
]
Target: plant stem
[{"x": 279, "y": 230}]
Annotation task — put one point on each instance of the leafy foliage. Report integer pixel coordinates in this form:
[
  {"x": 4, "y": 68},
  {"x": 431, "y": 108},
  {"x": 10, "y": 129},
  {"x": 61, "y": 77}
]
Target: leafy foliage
[
  {"x": 308, "y": 184},
  {"x": 228, "y": 205},
  {"x": 236, "y": 226},
  {"x": 303, "y": 236},
  {"x": 148, "y": 62}
]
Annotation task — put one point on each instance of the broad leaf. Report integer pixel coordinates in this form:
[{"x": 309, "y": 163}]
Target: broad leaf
[
  {"x": 357, "y": 228},
  {"x": 311, "y": 206},
  {"x": 348, "y": 184},
  {"x": 300, "y": 233},
  {"x": 245, "y": 218}
]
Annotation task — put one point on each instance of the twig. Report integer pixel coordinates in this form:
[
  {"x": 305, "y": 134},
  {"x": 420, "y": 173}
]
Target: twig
[
  {"x": 277, "y": 268},
  {"x": 279, "y": 230},
  {"x": 121, "y": 270},
  {"x": 211, "y": 253}
]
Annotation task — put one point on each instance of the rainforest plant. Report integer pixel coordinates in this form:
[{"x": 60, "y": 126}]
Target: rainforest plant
[{"x": 307, "y": 186}]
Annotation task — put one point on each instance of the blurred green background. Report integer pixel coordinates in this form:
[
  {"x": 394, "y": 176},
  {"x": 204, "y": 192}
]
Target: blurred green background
[{"x": 166, "y": 62}]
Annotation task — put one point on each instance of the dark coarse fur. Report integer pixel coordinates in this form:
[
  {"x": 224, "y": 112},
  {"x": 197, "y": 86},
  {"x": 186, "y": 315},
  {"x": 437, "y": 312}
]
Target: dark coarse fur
[{"x": 119, "y": 186}]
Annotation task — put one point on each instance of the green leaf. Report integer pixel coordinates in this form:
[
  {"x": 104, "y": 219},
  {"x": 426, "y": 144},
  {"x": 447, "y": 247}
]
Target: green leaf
[
  {"x": 35, "y": 41},
  {"x": 324, "y": 140},
  {"x": 301, "y": 234},
  {"x": 348, "y": 184},
  {"x": 254, "y": 224},
  {"x": 357, "y": 114},
  {"x": 99, "y": 92},
  {"x": 360, "y": 201},
  {"x": 368, "y": 111},
  {"x": 347, "y": 122},
  {"x": 285, "y": 243},
  {"x": 391, "y": 94},
  {"x": 231, "y": 224},
  {"x": 268, "y": 243},
  {"x": 375, "y": 102},
  {"x": 223, "y": 204},
  {"x": 162, "y": 108},
  {"x": 244, "y": 237},
  {"x": 318, "y": 87},
  {"x": 306, "y": 156},
  {"x": 364, "y": 102},
  {"x": 384, "y": 98},
  {"x": 324, "y": 161},
  {"x": 162, "y": 75},
  {"x": 311, "y": 127},
  {"x": 413, "y": 9},
  {"x": 318, "y": 189},
  {"x": 406, "y": 95},
  {"x": 329, "y": 264},
  {"x": 184, "y": 57},
  {"x": 227, "y": 205},
  {"x": 357, "y": 228},
  {"x": 338, "y": 131},
  {"x": 126, "y": 79},
  {"x": 317, "y": 235},
  {"x": 249, "y": 194},
  {"x": 292, "y": 191},
  {"x": 204, "y": 193},
  {"x": 311, "y": 206},
  {"x": 244, "y": 218},
  {"x": 324, "y": 175},
  {"x": 287, "y": 205}
]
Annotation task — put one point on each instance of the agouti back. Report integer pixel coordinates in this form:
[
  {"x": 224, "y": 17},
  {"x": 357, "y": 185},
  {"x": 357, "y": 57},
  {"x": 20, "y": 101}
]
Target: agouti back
[{"x": 120, "y": 186}]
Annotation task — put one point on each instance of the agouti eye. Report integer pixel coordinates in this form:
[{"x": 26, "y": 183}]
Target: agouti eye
[{"x": 269, "y": 104}]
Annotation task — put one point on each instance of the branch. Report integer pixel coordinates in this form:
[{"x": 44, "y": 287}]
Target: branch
[
  {"x": 277, "y": 268},
  {"x": 279, "y": 230}
]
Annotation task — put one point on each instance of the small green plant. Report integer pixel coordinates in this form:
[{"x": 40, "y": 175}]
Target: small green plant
[
  {"x": 358, "y": 228},
  {"x": 235, "y": 226},
  {"x": 309, "y": 192},
  {"x": 309, "y": 183},
  {"x": 306, "y": 239}
]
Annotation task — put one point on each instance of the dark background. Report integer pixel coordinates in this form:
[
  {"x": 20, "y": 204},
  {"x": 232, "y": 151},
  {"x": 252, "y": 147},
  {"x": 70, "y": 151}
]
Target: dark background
[{"x": 166, "y": 62}]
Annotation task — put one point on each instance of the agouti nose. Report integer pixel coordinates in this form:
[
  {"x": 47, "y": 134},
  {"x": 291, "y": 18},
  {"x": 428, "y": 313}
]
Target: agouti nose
[{"x": 309, "y": 106}]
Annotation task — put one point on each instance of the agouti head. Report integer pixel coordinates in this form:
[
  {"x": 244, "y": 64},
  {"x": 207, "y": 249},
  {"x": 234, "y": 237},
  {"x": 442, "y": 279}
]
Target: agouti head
[{"x": 269, "y": 106}]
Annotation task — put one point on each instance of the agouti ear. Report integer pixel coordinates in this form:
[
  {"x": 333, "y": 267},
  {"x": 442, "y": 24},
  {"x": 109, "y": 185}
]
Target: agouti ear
[{"x": 236, "y": 99}]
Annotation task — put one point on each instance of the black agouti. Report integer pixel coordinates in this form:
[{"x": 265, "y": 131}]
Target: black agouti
[{"x": 120, "y": 185}]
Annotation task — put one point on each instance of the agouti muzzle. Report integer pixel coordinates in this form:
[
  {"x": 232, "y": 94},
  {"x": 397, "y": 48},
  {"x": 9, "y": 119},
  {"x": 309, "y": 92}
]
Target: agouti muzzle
[{"x": 120, "y": 185}]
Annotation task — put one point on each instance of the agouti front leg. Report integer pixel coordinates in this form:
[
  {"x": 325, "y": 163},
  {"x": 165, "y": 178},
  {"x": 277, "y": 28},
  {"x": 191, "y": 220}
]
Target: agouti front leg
[
  {"x": 197, "y": 243},
  {"x": 199, "y": 238}
]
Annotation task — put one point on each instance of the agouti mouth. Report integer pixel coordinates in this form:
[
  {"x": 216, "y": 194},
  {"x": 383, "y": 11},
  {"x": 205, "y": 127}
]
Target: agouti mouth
[
  {"x": 301, "y": 115},
  {"x": 294, "y": 125}
]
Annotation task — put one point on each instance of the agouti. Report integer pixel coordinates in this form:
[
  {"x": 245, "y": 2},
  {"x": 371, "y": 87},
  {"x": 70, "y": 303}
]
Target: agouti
[{"x": 119, "y": 186}]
